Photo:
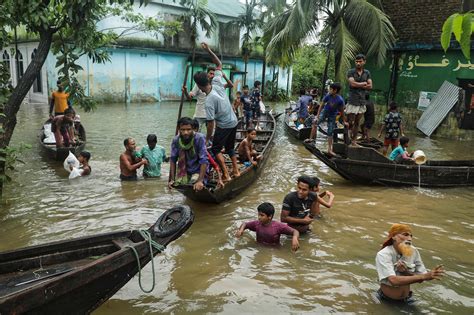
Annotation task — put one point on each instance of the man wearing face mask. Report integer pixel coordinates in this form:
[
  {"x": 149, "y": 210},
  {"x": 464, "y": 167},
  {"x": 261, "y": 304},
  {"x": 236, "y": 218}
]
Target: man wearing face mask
[
  {"x": 188, "y": 151},
  {"x": 399, "y": 265}
]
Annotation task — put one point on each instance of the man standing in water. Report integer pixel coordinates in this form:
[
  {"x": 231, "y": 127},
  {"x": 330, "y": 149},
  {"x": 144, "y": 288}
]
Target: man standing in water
[
  {"x": 300, "y": 206},
  {"x": 360, "y": 83},
  {"x": 399, "y": 264},
  {"x": 128, "y": 164},
  {"x": 219, "y": 112}
]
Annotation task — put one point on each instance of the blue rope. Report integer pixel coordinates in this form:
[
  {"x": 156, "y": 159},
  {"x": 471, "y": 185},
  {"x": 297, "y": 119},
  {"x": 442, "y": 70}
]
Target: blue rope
[{"x": 152, "y": 244}]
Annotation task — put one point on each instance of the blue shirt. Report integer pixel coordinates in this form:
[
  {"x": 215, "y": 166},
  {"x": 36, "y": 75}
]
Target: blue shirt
[
  {"x": 333, "y": 104},
  {"x": 255, "y": 98},
  {"x": 193, "y": 162},
  {"x": 303, "y": 103},
  {"x": 395, "y": 153},
  {"x": 218, "y": 106}
]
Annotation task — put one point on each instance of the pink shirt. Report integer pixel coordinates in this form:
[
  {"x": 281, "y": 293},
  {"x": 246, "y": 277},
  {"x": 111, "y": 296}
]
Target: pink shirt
[{"x": 269, "y": 234}]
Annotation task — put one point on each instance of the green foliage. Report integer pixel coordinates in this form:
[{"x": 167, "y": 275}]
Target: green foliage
[
  {"x": 350, "y": 27},
  {"x": 308, "y": 67},
  {"x": 462, "y": 26},
  {"x": 198, "y": 12}
]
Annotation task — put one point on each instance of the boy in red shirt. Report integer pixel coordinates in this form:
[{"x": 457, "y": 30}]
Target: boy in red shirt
[{"x": 269, "y": 231}]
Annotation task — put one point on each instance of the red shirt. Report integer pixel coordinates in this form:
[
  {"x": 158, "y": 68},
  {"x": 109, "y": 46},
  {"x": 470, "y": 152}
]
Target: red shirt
[{"x": 269, "y": 234}]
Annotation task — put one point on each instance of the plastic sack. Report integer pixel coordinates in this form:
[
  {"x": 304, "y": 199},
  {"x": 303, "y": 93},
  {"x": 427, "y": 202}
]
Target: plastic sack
[
  {"x": 262, "y": 107},
  {"x": 76, "y": 172},
  {"x": 294, "y": 116},
  {"x": 71, "y": 160},
  {"x": 49, "y": 137}
]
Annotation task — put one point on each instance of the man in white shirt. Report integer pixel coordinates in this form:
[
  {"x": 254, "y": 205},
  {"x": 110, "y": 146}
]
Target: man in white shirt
[{"x": 399, "y": 265}]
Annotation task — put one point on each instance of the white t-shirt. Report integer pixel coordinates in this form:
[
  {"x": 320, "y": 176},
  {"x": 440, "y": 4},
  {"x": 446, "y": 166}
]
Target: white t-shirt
[
  {"x": 200, "y": 111},
  {"x": 218, "y": 106},
  {"x": 387, "y": 258}
]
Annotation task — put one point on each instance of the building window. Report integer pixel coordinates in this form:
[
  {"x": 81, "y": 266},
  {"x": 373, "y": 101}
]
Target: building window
[
  {"x": 38, "y": 84},
  {"x": 6, "y": 61},
  {"x": 19, "y": 65}
]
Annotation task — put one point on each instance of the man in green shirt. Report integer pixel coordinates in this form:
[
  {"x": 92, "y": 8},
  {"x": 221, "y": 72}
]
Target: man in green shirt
[{"x": 154, "y": 154}]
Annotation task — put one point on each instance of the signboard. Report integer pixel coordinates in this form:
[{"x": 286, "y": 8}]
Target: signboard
[{"x": 425, "y": 99}]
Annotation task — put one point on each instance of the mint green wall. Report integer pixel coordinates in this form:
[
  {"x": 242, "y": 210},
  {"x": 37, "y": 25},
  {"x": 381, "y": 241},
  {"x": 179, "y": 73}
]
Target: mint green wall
[{"x": 419, "y": 71}]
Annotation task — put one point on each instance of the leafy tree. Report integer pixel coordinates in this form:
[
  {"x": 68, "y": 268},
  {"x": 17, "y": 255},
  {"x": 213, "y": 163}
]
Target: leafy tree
[
  {"x": 198, "y": 13},
  {"x": 69, "y": 29},
  {"x": 352, "y": 26},
  {"x": 250, "y": 22},
  {"x": 462, "y": 26},
  {"x": 308, "y": 67}
]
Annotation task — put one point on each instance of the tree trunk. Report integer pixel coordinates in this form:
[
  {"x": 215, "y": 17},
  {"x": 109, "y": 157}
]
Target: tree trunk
[
  {"x": 326, "y": 69},
  {"x": 264, "y": 70},
  {"x": 21, "y": 90},
  {"x": 245, "y": 70}
]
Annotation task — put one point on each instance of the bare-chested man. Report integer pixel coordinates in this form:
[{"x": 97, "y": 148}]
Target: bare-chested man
[{"x": 128, "y": 163}]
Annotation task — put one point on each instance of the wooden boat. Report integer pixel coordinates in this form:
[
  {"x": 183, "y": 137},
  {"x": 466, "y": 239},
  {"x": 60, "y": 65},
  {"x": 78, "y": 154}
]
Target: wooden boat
[
  {"x": 300, "y": 134},
  {"x": 263, "y": 145},
  {"x": 60, "y": 154},
  {"x": 367, "y": 166},
  {"x": 78, "y": 275}
]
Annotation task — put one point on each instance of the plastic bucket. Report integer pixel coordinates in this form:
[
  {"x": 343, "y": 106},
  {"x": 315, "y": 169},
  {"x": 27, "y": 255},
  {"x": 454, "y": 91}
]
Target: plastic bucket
[{"x": 419, "y": 157}]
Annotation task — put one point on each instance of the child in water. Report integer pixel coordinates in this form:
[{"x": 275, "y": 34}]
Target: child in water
[
  {"x": 246, "y": 150},
  {"x": 269, "y": 231},
  {"x": 84, "y": 158}
]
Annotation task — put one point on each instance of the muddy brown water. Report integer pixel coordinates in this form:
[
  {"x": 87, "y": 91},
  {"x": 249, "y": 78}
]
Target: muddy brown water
[{"x": 207, "y": 270}]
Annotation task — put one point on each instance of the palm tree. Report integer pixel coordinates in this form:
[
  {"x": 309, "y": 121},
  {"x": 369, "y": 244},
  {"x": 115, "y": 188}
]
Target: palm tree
[
  {"x": 250, "y": 22},
  {"x": 198, "y": 12},
  {"x": 351, "y": 27}
]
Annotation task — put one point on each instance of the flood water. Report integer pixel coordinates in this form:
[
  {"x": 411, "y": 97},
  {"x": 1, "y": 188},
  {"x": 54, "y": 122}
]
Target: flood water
[{"x": 208, "y": 270}]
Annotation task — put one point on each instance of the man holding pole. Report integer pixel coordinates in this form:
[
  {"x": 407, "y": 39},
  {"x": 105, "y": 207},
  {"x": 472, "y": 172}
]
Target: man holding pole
[{"x": 219, "y": 113}]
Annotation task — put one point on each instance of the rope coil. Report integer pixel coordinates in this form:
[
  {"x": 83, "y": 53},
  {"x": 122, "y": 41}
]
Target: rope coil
[{"x": 152, "y": 245}]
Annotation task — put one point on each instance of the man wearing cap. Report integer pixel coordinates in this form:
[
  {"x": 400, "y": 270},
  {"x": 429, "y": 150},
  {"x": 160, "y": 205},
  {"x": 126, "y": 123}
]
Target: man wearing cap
[{"x": 399, "y": 264}]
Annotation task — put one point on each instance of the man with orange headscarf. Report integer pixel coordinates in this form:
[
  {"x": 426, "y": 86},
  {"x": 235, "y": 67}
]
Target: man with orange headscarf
[{"x": 399, "y": 264}]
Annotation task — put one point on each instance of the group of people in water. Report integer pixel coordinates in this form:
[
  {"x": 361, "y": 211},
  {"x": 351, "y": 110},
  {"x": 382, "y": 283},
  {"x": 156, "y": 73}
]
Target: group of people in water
[{"x": 197, "y": 158}]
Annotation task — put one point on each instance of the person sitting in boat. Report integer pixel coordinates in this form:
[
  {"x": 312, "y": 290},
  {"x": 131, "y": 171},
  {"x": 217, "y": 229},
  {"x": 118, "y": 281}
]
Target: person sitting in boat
[
  {"x": 393, "y": 127},
  {"x": 213, "y": 168},
  {"x": 399, "y": 265},
  {"x": 300, "y": 206},
  {"x": 84, "y": 167},
  {"x": 59, "y": 101},
  {"x": 154, "y": 154},
  {"x": 246, "y": 149},
  {"x": 333, "y": 104},
  {"x": 188, "y": 150},
  {"x": 63, "y": 128},
  {"x": 128, "y": 162},
  {"x": 302, "y": 108},
  {"x": 269, "y": 231},
  {"x": 400, "y": 154},
  {"x": 328, "y": 204},
  {"x": 219, "y": 113}
]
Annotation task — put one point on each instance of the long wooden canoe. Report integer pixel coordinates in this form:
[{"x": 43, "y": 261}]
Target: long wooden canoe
[
  {"x": 263, "y": 145},
  {"x": 60, "y": 154},
  {"x": 367, "y": 166},
  {"x": 78, "y": 275}
]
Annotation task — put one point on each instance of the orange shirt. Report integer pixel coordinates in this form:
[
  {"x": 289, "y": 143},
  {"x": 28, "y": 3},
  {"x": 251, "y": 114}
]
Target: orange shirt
[{"x": 60, "y": 101}]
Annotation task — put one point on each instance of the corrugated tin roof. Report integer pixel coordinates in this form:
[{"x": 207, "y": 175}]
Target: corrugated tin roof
[
  {"x": 230, "y": 8},
  {"x": 445, "y": 99}
]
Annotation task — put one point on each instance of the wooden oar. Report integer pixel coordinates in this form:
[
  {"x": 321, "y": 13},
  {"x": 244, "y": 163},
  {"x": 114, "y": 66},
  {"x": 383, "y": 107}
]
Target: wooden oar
[{"x": 182, "y": 96}]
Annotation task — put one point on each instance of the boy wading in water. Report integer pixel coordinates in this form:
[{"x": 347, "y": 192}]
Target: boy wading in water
[
  {"x": 269, "y": 231},
  {"x": 246, "y": 149}
]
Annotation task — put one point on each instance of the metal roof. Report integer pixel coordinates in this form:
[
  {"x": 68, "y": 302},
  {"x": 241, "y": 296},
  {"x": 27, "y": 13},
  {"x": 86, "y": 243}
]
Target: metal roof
[
  {"x": 230, "y": 8},
  {"x": 446, "y": 97}
]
